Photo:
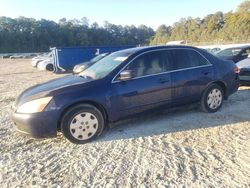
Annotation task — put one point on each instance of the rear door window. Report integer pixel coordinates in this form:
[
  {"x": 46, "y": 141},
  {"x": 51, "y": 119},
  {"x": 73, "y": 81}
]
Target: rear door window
[{"x": 186, "y": 58}]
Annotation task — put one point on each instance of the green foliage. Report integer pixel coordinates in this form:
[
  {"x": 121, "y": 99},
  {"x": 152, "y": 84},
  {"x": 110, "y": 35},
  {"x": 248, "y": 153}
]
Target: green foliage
[
  {"x": 214, "y": 28},
  {"x": 244, "y": 7},
  {"x": 30, "y": 35},
  {"x": 161, "y": 36}
]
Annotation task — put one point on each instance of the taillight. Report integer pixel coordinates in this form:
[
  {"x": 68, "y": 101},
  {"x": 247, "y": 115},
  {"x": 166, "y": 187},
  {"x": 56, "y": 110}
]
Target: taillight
[{"x": 237, "y": 70}]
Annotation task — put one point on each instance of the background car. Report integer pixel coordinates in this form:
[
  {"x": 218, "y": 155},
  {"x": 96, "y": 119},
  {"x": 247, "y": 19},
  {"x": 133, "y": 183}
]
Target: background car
[
  {"x": 212, "y": 50},
  {"x": 244, "y": 75},
  {"x": 215, "y": 50},
  {"x": 123, "y": 84},
  {"x": 235, "y": 54},
  {"x": 37, "y": 59},
  {"x": 47, "y": 64}
]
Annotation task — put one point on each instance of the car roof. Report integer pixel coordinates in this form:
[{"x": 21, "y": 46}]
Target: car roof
[{"x": 149, "y": 48}]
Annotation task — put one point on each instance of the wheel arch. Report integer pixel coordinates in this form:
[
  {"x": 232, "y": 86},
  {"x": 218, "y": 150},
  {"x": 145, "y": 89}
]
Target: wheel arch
[{"x": 95, "y": 104}]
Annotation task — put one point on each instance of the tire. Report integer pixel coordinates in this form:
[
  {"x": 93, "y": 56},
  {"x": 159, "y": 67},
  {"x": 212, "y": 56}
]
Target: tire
[
  {"x": 49, "y": 67},
  {"x": 82, "y": 123},
  {"x": 212, "y": 99}
]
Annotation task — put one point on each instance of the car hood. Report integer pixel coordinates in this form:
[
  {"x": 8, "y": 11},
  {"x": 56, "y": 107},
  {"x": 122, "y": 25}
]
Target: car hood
[{"x": 45, "y": 89}]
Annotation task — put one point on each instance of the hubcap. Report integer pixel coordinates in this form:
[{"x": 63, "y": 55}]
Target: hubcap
[
  {"x": 214, "y": 99},
  {"x": 83, "y": 126}
]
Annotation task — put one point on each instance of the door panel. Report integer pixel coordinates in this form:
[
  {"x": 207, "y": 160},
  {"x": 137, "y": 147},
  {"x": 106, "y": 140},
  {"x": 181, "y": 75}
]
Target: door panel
[
  {"x": 140, "y": 94},
  {"x": 192, "y": 72},
  {"x": 189, "y": 84},
  {"x": 150, "y": 86}
]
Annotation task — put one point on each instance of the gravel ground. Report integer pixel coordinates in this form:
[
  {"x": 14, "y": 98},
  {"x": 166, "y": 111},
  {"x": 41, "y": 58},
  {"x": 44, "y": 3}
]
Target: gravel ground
[{"x": 182, "y": 148}]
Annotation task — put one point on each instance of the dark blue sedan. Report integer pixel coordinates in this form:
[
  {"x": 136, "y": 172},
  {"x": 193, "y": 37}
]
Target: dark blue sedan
[{"x": 125, "y": 83}]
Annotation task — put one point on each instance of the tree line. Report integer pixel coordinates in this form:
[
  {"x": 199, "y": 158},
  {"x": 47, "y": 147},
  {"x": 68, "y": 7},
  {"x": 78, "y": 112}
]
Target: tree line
[
  {"x": 231, "y": 27},
  {"x": 29, "y": 35}
]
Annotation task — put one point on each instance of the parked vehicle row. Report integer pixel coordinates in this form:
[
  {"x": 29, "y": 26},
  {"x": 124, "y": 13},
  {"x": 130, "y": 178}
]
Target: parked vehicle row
[
  {"x": 17, "y": 55},
  {"x": 122, "y": 84},
  {"x": 63, "y": 59}
]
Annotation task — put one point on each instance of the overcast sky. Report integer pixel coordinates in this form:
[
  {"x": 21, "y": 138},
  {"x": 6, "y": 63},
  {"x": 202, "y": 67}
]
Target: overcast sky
[{"x": 124, "y": 12}]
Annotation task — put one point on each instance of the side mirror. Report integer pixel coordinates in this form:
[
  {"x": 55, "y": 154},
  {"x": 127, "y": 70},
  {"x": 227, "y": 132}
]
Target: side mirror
[{"x": 125, "y": 75}]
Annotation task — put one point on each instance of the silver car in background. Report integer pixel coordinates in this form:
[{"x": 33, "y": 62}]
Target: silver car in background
[{"x": 244, "y": 75}]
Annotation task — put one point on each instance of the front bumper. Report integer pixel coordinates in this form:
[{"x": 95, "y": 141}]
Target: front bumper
[{"x": 37, "y": 125}]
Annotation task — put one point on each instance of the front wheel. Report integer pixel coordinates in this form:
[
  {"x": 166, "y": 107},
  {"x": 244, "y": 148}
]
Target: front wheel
[
  {"x": 212, "y": 99},
  {"x": 82, "y": 123}
]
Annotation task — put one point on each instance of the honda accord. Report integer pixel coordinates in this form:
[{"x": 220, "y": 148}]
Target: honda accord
[{"x": 121, "y": 84}]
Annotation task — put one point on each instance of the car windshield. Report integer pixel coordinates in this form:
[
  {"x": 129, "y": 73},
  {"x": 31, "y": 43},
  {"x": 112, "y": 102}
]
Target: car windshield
[
  {"x": 229, "y": 52},
  {"x": 106, "y": 65}
]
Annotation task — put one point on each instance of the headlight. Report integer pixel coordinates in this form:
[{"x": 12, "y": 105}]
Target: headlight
[{"x": 34, "y": 106}]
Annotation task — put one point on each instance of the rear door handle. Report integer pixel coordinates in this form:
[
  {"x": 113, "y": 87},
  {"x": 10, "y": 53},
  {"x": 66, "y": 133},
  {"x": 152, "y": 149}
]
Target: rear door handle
[{"x": 164, "y": 80}]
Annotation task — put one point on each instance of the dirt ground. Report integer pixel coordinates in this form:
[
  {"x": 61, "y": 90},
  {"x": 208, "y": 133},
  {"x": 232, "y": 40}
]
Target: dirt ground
[{"x": 182, "y": 148}]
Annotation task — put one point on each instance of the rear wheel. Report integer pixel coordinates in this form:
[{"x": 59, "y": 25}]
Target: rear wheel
[
  {"x": 82, "y": 123},
  {"x": 212, "y": 99}
]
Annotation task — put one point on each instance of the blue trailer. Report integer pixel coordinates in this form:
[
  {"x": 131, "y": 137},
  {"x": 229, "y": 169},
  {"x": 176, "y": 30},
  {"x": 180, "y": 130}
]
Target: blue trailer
[{"x": 66, "y": 58}]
